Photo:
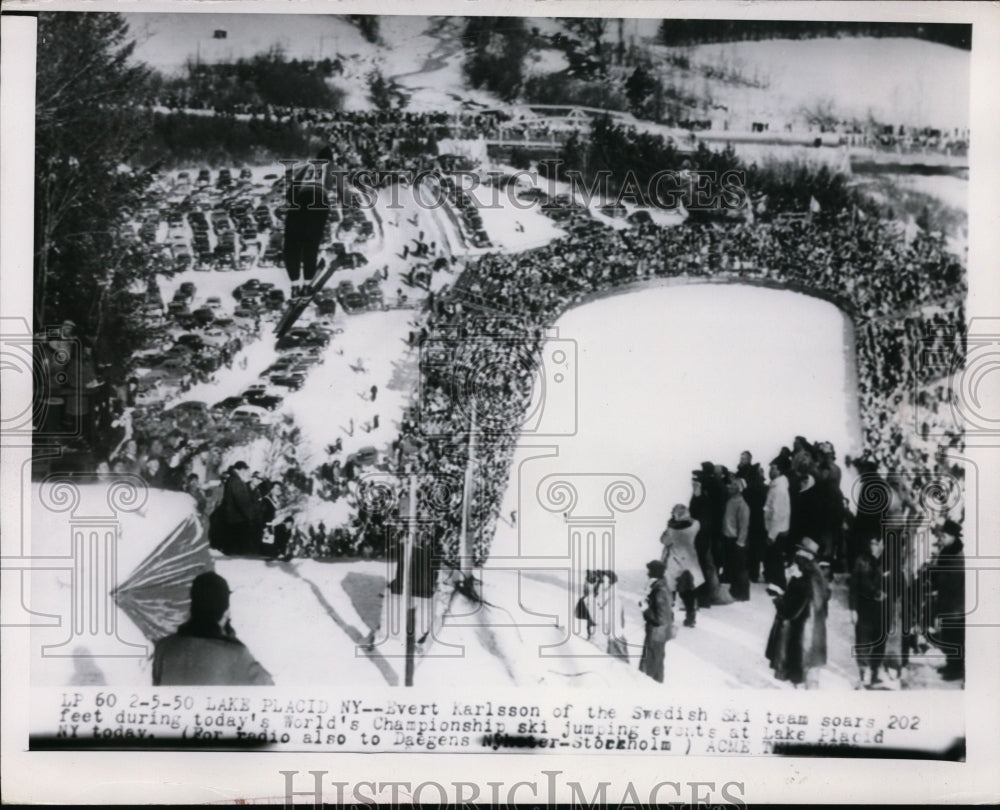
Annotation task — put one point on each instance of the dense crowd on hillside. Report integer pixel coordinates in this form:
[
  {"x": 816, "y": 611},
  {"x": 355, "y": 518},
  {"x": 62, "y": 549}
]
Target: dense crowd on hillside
[
  {"x": 901, "y": 290},
  {"x": 900, "y": 293}
]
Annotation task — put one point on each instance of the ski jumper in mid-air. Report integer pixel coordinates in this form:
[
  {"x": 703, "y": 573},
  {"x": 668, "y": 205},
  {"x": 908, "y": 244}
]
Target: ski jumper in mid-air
[{"x": 305, "y": 222}]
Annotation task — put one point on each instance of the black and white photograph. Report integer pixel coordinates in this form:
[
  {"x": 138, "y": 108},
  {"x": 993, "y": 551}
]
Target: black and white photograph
[{"x": 396, "y": 382}]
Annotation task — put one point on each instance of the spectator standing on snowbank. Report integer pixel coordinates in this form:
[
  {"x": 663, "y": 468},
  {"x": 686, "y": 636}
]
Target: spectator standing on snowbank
[
  {"x": 948, "y": 587},
  {"x": 684, "y": 575},
  {"x": 777, "y": 513},
  {"x": 659, "y": 619},
  {"x": 796, "y": 646},
  {"x": 735, "y": 531},
  {"x": 205, "y": 650},
  {"x": 235, "y": 525},
  {"x": 870, "y": 611},
  {"x": 700, "y": 509}
]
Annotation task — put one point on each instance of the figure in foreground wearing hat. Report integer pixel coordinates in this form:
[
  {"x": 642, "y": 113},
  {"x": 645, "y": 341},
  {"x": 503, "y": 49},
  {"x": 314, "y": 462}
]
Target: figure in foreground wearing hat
[
  {"x": 205, "y": 650},
  {"x": 659, "y": 618},
  {"x": 870, "y": 611},
  {"x": 684, "y": 574},
  {"x": 796, "y": 645}
]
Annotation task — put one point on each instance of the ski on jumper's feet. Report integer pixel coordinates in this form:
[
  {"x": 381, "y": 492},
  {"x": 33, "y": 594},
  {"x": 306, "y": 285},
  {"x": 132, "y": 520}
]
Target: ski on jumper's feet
[{"x": 299, "y": 304}]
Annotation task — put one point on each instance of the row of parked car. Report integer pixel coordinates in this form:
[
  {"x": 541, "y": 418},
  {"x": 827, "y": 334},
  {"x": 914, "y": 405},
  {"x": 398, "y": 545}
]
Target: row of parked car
[
  {"x": 223, "y": 179},
  {"x": 469, "y": 215},
  {"x": 301, "y": 349},
  {"x": 161, "y": 366}
]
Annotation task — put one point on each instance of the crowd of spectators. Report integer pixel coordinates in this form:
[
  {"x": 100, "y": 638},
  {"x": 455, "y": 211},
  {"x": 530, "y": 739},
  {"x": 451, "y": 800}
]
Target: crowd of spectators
[
  {"x": 901, "y": 292},
  {"x": 907, "y": 289}
]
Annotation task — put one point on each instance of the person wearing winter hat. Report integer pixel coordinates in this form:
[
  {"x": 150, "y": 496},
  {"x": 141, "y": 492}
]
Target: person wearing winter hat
[
  {"x": 948, "y": 588},
  {"x": 735, "y": 531},
  {"x": 205, "y": 650},
  {"x": 684, "y": 574},
  {"x": 869, "y": 610},
  {"x": 777, "y": 516},
  {"x": 658, "y": 615}
]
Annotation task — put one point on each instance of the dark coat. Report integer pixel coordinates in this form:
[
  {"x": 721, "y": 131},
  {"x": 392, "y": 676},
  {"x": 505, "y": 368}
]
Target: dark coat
[
  {"x": 193, "y": 657},
  {"x": 659, "y": 619},
  {"x": 867, "y": 597},
  {"x": 814, "y": 622},
  {"x": 809, "y": 515},
  {"x": 948, "y": 581},
  {"x": 948, "y": 587},
  {"x": 797, "y": 641},
  {"x": 701, "y": 510},
  {"x": 235, "y": 525},
  {"x": 238, "y": 504},
  {"x": 658, "y": 612},
  {"x": 308, "y": 209},
  {"x": 867, "y": 587}
]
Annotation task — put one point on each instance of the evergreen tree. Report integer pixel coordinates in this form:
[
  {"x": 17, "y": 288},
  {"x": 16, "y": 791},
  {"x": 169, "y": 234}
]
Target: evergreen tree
[
  {"x": 89, "y": 123},
  {"x": 495, "y": 51}
]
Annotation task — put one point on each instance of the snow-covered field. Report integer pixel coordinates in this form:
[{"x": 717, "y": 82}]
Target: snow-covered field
[
  {"x": 902, "y": 81},
  {"x": 673, "y": 376},
  {"x": 166, "y": 41},
  {"x": 952, "y": 191}
]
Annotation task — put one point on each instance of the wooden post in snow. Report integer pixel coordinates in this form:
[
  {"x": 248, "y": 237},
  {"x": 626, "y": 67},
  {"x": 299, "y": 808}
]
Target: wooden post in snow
[
  {"x": 411, "y": 527},
  {"x": 466, "y": 549}
]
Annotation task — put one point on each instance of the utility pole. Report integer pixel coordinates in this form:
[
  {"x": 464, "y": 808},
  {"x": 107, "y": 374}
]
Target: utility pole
[
  {"x": 411, "y": 523},
  {"x": 466, "y": 550}
]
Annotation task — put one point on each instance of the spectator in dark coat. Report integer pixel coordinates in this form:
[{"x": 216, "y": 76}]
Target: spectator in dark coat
[
  {"x": 659, "y": 619},
  {"x": 830, "y": 500},
  {"x": 735, "y": 531},
  {"x": 808, "y": 511},
  {"x": 796, "y": 646},
  {"x": 205, "y": 650},
  {"x": 872, "y": 510},
  {"x": 239, "y": 514},
  {"x": 154, "y": 473},
  {"x": 870, "y": 610},
  {"x": 755, "y": 494},
  {"x": 714, "y": 484},
  {"x": 283, "y": 538},
  {"x": 948, "y": 588},
  {"x": 700, "y": 509}
]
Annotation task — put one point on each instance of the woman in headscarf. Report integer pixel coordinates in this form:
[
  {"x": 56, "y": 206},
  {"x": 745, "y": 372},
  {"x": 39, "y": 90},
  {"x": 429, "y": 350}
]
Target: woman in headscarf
[{"x": 684, "y": 574}]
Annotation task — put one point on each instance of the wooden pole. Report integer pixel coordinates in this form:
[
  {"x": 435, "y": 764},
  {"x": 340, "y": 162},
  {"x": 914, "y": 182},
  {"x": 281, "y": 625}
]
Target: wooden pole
[
  {"x": 407, "y": 584},
  {"x": 466, "y": 551}
]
